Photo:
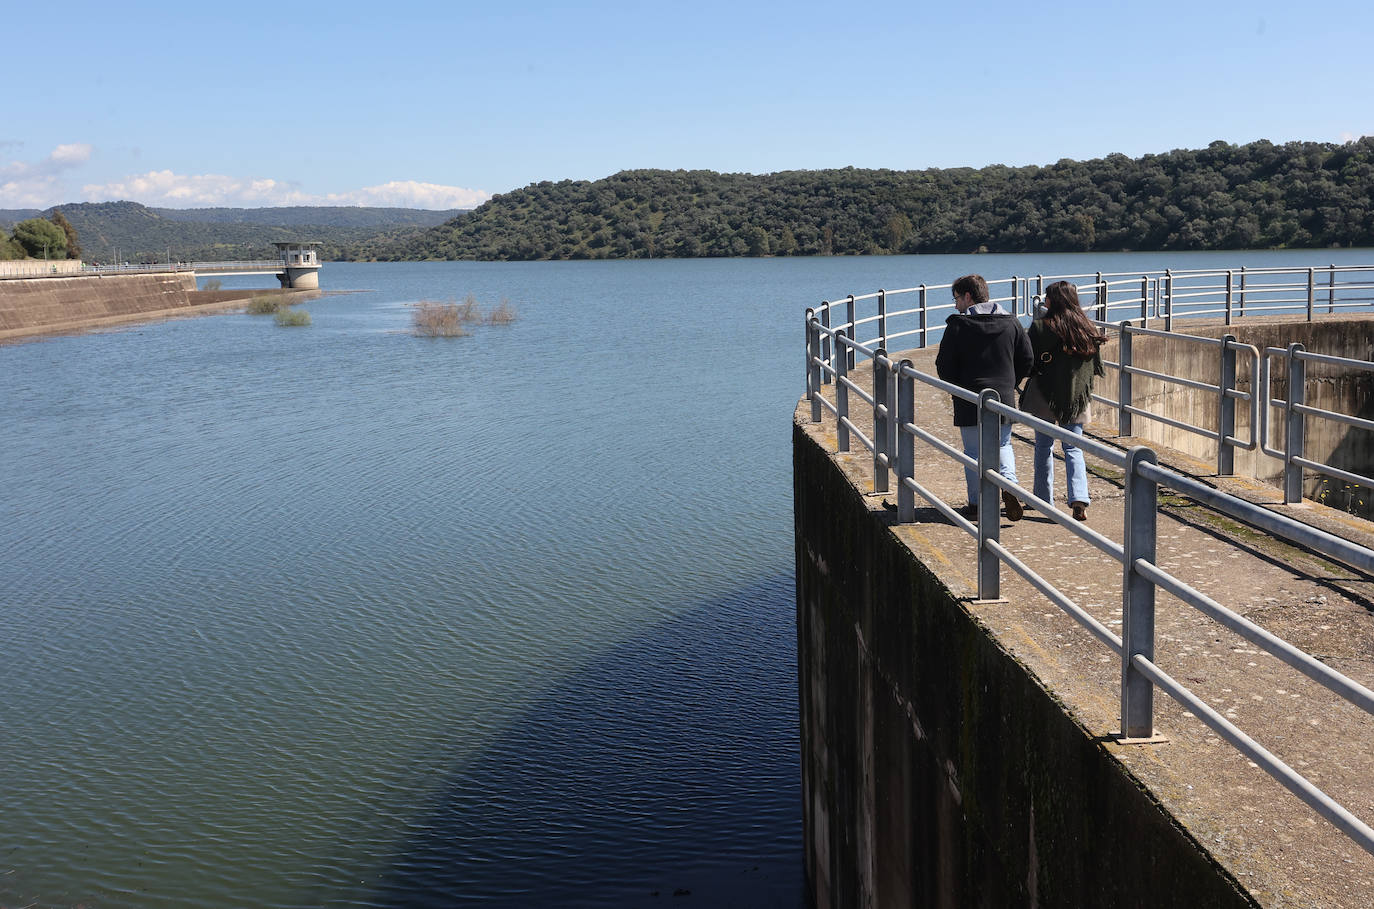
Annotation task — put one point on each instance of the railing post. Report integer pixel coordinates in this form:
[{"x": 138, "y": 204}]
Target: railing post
[
  {"x": 1294, "y": 424},
  {"x": 851, "y": 333},
  {"x": 1100, "y": 299},
  {"x": 989, "y": 498},
  {"x": 1138, "y": 597},
  {"x": 1331, "y": 290},
  {"x": 1123, "y": 382},
  {"x": 1144, "y": 301},
  {"x": 841, "y": 393},
  {"x": 1311, "y": 291},
  {"x": 1242, "y": 291},
  {"x": 1040, "y": 286},
  {"x": 1015, "y": 308},
  {"x": 812, "y": 381},
  {"x": 1228, "y": 296},
  {"x": 882, "y": 318},
  {"x": 882, "y": 419},
  {"x": 1168, "y": 300},
  {"x": 906, "y": 443},
  {"x": 1226, "y": 408},
  {"x": 825, "y": 340},
  {"x": 924, "y": 342}
]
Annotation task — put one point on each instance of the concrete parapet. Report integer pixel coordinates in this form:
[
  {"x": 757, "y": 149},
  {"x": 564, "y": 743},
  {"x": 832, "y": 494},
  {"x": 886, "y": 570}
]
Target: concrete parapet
[
  {"x": 37, "y": 268},
  {"x": 1328, "y": 387}
]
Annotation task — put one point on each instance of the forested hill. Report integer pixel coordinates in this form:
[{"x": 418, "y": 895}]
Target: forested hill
[
  {"x": 1260, "y": 195},
  {"x": 139, "y": 233}
]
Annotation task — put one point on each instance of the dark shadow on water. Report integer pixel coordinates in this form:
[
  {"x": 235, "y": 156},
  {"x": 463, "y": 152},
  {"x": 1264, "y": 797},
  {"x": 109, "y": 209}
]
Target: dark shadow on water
[{"x": 664, "y": 772}]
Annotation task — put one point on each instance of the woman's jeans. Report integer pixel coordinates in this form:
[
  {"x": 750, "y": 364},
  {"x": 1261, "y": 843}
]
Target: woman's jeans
[
  {"x": 1076, "y": 472},
  {"x": 1006, "y": 458}
]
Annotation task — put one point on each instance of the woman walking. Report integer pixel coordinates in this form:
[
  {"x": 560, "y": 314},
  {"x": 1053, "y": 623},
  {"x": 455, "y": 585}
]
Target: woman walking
[{"x": 1067, "y": 359}]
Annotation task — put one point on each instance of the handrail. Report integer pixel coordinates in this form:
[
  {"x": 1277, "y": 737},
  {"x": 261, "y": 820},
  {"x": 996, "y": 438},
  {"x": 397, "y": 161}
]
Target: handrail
[{"x": 896, "y": 433}]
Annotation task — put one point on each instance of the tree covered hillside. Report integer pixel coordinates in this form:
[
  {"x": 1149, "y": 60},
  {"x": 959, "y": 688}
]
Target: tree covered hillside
[
  {"x": 128, "y": 231},
  {"x": 1260, "y": 195}
]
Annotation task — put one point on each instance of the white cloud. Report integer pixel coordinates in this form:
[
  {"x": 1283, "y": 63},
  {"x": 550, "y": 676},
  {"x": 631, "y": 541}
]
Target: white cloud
[
  {"x": 70, "y": 155},
  {"x": 38, "y": 184},
  {"x": 33, "y": 192},
  {"x": 167, "y": 189},
  {"x": 412, "y": 194}
]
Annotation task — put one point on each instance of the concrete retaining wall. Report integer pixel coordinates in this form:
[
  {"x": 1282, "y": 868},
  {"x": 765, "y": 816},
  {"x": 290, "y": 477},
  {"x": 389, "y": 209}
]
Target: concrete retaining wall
[
  {"x": 44, "y": 303},
  {"x": 1328, "y": 387},
  {"x": 936, "y": 770}
]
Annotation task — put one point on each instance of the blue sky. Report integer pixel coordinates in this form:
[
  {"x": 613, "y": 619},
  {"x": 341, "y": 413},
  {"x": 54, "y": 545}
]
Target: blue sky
[{"x": 439, "y": 105}]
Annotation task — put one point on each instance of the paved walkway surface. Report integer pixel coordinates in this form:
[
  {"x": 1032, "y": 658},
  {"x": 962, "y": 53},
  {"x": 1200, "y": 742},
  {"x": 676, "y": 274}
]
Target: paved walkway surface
[{"x": 1279, "y": 849}]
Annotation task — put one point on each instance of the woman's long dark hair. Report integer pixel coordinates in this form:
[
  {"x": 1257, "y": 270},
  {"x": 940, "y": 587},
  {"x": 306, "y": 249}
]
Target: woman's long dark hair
[{"x": 1065, "y": 317}]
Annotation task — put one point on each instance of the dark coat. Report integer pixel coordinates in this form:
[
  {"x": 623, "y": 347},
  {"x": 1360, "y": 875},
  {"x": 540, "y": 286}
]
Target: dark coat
[{"x": 981, "y": 351}]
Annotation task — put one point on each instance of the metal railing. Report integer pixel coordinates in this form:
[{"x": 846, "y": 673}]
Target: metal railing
[
  {"x": 831, "y": 356},
  {"x": 1296, "y": 410},
  {"x": 1127, "y": 306},
  {"x": 160, "y": 267}
]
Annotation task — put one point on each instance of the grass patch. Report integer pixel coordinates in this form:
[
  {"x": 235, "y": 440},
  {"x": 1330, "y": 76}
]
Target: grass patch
[
  {"x": 288, "y": 317},
  {"x": 263, "y": 304},
  {"x": 432, "y": 319}
]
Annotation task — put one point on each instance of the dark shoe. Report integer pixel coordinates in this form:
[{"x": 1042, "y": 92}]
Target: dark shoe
[
  {"x": 1080, "y": 510},
  {"x": 969, "y": 511},
  {"x": 1013, "y": 506}
]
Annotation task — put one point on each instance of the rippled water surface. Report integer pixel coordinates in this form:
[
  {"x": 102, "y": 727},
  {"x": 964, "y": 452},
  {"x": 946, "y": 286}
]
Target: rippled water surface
[{"x": 341, "y": 616}]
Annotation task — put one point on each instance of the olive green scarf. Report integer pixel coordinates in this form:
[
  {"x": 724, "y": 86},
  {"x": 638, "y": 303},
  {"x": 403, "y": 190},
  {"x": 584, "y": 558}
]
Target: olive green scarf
[{"x": 1065, "y": 380}]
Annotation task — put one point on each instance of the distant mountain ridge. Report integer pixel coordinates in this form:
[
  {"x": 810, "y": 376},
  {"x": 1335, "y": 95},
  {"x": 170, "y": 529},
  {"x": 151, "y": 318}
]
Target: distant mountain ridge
[
  {"x": 131, "y": 231},
  {"x": 1255, "y": 196}
]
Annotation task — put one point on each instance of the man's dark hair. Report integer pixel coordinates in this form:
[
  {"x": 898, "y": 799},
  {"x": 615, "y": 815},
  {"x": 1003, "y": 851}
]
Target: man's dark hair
[{"x": 971, "y": 284}]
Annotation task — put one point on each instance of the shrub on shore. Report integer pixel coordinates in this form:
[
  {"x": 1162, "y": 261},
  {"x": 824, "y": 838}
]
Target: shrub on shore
[
  {"x": 288, "y": 317},
  {"x": 263, "y": 304}
]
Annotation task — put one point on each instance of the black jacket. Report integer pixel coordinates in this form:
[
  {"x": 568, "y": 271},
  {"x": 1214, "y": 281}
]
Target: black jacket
[{"x": 981, "y": 351}]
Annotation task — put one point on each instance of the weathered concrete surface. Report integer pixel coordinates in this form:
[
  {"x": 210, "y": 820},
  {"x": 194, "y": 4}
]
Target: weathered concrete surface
[
  {"x": 42, "y": 306},
  {"x": 958, "y": 753}
]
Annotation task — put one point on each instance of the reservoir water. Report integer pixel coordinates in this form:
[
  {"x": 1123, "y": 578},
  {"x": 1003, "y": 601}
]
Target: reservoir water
[{"x": 340, "y": 616}]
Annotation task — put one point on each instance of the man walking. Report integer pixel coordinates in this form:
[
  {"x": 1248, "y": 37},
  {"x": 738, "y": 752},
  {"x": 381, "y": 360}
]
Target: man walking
[{"x": 984, "y": 346}]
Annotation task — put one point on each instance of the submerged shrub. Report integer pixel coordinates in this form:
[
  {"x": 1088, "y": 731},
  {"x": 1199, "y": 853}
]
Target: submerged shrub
[
  {"x": 468, "y": 310},
  {"x": 503, "y": 314},
  {"x": 432, "y": 319},
  {"x": 287, "y": 316}
]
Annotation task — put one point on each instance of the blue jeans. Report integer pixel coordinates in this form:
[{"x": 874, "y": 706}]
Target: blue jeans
[
  {"x": 1006, "y": 458},
  {"x": 1076, "y": 473}
]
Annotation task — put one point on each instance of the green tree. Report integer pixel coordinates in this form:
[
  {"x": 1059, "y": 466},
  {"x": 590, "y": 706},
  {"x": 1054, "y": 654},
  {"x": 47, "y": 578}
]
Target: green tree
[
  {"x": 41, "y": 239},
  {"x": 9, "y": 249},
  {"x": 73, "y": 247},
  {"x": 898, "y": 226}
]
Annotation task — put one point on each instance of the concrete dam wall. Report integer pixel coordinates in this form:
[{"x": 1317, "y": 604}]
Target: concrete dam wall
[
  {"x": 959, "y": 752},
  {"x": 937, "y": 770},
  {"x": 37, "y": 306},
  {"x": 40, "y": 304}
]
